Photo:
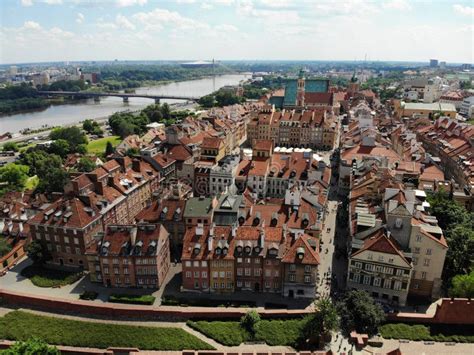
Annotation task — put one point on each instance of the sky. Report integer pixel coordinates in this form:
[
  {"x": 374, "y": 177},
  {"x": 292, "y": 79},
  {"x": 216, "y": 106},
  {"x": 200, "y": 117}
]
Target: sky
[{"x": 395, "y": 30}]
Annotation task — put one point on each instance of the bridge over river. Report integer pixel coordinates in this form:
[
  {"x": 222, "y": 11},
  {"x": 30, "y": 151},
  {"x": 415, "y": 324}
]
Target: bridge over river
[{"x": 124, "y": 96}]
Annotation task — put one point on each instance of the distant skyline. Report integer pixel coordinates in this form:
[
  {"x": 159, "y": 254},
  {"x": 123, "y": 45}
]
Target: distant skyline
[{"x": 392, "y": 30}]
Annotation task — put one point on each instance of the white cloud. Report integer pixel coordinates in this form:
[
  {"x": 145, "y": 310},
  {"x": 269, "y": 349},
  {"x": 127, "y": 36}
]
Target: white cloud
[
  {"x": 126, "y": 3},
  {"x": 276, "y": 3},
  {"x": 53, "y": 2},
  {"x": 123, "y": 22},
  {"x": 226, "y": 28},
  {"x": 463, "y": 10},
  {"x": 106, "y": 26},
  {"x": 48, "y": 2},
  {"x": 79, "y": 18},
  {"x": 402, "y": 5},
  {"x": 26, "y": 2},
  {"x": 158, "y": 18},
  {"x": 207, "y": 6},
  {"x": 31, "y": 25}
]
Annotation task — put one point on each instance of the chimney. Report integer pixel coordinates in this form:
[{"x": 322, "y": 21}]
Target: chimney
[
  {"x": 136, "y": 165},
  {"x": 133, "y": 235},
  {"x": 234, "y": 230},
  {"x": 211, "y": 230},
  {"x": 262, "y": 238},
  {"x": 210, "y": 241}
]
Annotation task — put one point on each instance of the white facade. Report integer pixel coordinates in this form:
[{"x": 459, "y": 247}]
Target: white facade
[{"x": 467, "y": 107}]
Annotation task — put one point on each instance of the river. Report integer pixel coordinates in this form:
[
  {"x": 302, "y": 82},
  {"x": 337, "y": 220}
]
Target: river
[{"x": 72, "y": 113}]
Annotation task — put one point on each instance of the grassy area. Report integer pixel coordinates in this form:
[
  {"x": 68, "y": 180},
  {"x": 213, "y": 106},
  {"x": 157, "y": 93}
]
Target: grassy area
[
  {"x": 226, "y": 333},
  {"x": 98, "y": 146},
  {"x": 43, "y": 277},
  {"x": 18, "y": 325},
  {"x": 272, "y": 332},
  {"x": 31, "y": 183},
  {"x": 132, "y": 299},
  {"x": 464, "y": 334}
]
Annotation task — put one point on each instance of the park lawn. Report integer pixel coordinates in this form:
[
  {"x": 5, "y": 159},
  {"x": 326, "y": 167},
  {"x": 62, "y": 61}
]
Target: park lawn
[
  {"x": 43, "y": 277},
  {"x": 31, "y": 183},
  {"x": 461, "y": 334},
  {"x": 225, "y": 333},
  {"x": 98, "y": 146},
  {"x": 19, "y": 325},
  {"x": 273, "y": 332}
]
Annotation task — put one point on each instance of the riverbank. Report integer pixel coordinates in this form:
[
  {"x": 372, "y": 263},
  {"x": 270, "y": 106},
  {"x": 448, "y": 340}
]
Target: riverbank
[{"x": 68, "y": 114}]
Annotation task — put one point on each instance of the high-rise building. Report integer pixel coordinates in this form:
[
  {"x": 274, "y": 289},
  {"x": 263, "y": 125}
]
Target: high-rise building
[{"x": 433, "y": 63}]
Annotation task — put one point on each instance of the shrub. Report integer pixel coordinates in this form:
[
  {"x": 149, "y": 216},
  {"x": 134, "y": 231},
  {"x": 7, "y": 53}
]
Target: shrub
[
  {"x": 42, "y": 277},
  {"x": 225, "y": 333},
  {"x": 88, "y": 295},
  {"x": 132, "y": 299},
  {"x": 250, "y": 320}
]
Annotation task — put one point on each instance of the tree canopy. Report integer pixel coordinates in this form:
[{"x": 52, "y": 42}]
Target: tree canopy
[
  {"x": 32, "y": 346},
  {"x": 359, "y": 312},
  {"x": 13, "y": 177},
  {"x": 462, "y": 286}
]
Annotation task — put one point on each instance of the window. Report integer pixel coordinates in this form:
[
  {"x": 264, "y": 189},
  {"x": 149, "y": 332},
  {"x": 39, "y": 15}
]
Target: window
[
  {"x": 416, "y": 251},
  {"x": 377, "y": 281},
  {"x": 358, "y": 265},
  {"x": 292, "y": 267},
  {"x": 357, "y": 278},
  {"x": 196, "y": 263},
  {"x": 78, "y": 251},
  {"x": 204, "y": 263},
  {"x": 239, "y": 271},
  {"x": 106, "y": 270},
  {"x": 239, "y": 260},
  {"x": 196, "y": 274},
  {"x": 397, "y": 286},
  {"x": 415, "y": 260},
  {"x": 46, "y": 236},
  {"x": 215, "y": 274},
  {"x": 370, "y": 256},
  {"x": 248, "y": 260},
  {"x": 228, "y": 274},
  {"x": 381, "y": 258},
  {"x": 204, "y": 284},
  {"x": 418, "y": 238},
  {"x": 257, "y": 261},
  {"x": 426, "y": 262},
  {"x": 188, "y": 274},
  {"x": 248, "y": 271},
  {"x": 390, "y": 260},
  {"x": 66, "y": 239},
  {"x": 204, "y": 274},
  {"x": 307, "y": 268},
  {"x": 423, "y": 275},
  {"x": 221, "y": 274},
  {"x": 267, "y": 284},
  {"x": 239, "y": 283},
  {"x": 268, "y": 273},
  {"x": 216, "y": 285},
  {"x": 369, "y": 267},
  {"x": 292, "y": 277},
  {"x": 247, "y": 284},
  {"x": 366, "y": 280},
  {"x": 307, "y": 279},
  {"x": 276, "y": 273},
  {"x": 68, "y": 250},
  {"x": 257, "y": 272},
  {"x": 387, "y": 283},
  {"x": 428, "y": 251},
  {"x": 399, "y": 272},
  {"x": 127, "y": 280}
]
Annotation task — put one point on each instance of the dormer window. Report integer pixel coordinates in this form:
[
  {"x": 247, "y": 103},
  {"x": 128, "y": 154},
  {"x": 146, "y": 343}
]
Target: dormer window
[
  {"x": 218, "y": 251},
  {"x": 224, "y": 251},
  {"x": 239, "y": 249},
  {"x": 398, "y": 223},
  {"x": 256, "y": 250},
  {"x": 248, "y": 249}
]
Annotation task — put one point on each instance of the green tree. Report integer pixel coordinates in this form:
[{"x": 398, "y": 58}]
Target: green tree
[
  {"x": 207, "y": 101},
  {"x": 60, "y": 147},
  {"x": 10, "y": 146},
  {"x": 322, "y": 322},
  {"x": 109, "y": 149},
  {"x": 250, "y": 320},
  {"x": 14, "y": 176},
  {"x": 32, "y": 346},
  {"x": 40, "y": 162},
  {"x": 36, "y": 253},
  {"x": 358, "y": 312},
  {"x": 4, "y": 246},
  {"x": 463, "y": 286},
  {"x": 54, "y": 180},
  {"x": 88, "y": 125},
  {"x": 73, "y": 135},
  {"x": 165, "y": 111},
  {"x": 85, "y": 165}
]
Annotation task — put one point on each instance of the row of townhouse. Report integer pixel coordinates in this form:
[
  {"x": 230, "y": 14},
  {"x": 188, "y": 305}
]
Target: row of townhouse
[
  {"x": 313, "y": 128},
  {"x": 397, "y": 248},
  {"x": 113, "y": 193},
  {"x": 270, "y": 173},
  {"x": 451, "y": 142},
  {"x": 130, "y": 256},
  {"x": 229, "y": 259}
]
